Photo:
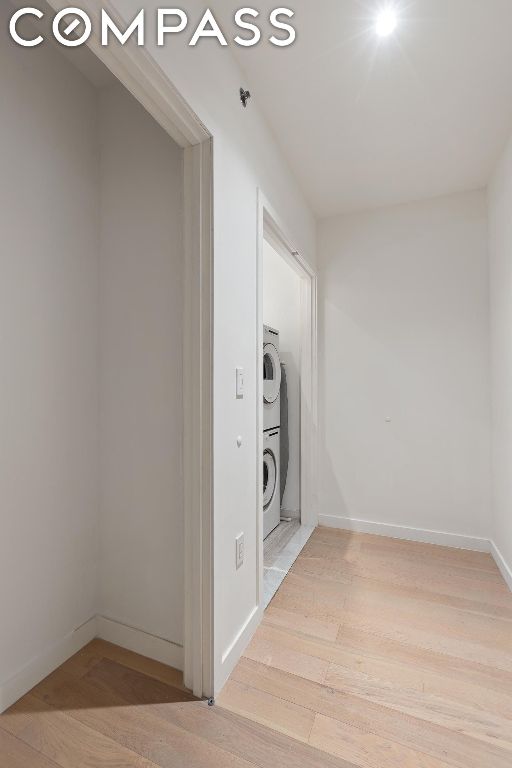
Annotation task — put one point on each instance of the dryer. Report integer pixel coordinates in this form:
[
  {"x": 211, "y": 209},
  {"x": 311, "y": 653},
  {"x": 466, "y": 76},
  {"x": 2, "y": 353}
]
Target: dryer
[
  {"x": 271, "y": 482},
  {"x": 271, "y": 379}
]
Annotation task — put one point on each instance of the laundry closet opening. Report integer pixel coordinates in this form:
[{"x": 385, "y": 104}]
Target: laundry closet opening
[
  {"x": 285, "y": 314},
  {"x": 91, "y": 310}
]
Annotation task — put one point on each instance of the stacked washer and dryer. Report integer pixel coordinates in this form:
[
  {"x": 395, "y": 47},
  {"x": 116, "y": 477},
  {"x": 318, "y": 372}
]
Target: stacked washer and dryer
[{"x": 271, "y": 431}]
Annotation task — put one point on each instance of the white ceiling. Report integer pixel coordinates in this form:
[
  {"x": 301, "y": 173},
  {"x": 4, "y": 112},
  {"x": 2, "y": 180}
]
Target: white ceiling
[{"x": 367, "y": 122}]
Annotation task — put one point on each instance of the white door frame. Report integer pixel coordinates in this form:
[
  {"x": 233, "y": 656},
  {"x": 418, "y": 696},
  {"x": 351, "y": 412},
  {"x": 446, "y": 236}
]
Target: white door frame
[
  {"x": 147, "y": 82},
  {"x": 198, "y": 420},
  {"x": 270, "y": 229}
]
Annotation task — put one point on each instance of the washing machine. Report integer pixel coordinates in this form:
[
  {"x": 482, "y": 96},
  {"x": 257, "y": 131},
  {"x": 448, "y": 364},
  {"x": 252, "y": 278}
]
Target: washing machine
[
  {"x": 271, "y": 482},
  {"x": 271, "y": 380}
]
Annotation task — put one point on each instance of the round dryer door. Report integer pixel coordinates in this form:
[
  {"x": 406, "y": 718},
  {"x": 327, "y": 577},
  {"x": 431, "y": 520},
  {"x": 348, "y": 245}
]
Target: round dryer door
[
  {"x": 271, "y": 374},
  {"x": 269, "y": 478}
]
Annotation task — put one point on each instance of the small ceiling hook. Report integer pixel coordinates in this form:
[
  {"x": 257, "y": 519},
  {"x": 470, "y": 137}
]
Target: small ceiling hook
[{"x": 244, "y": 97}]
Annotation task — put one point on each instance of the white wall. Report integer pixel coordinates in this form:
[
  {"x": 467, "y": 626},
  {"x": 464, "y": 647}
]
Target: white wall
[
  {"x": 90, "y": 369},
  {"x": 48, "y": 356},
  {"x": 404, "y": 330},
  {"x": 281, "y": 310},
  {"x": 141, "y": 403},
  {"x": 246, "y": 157},
  {"x": 500, "y": 227}
]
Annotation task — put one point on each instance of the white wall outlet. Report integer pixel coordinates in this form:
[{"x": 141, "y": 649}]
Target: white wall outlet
[
  {"x": 240, "y": 383},
  {"x": 240, "y": 551}
]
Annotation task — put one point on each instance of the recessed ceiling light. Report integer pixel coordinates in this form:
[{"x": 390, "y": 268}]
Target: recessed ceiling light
[{"x": 386, "y": 23}]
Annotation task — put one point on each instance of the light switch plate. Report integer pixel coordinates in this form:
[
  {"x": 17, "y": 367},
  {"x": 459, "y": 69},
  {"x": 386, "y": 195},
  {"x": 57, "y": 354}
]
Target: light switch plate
[
  {"x": 240, "y": 551},
  {"x": 240, "y": 383}
]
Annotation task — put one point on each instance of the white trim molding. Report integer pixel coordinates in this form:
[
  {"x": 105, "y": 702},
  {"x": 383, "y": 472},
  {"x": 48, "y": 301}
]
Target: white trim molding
[
  {"x": 140, "y": 74},
  {"x": 198, "y": 419},
  {"x": 506, "y": 570},
  {"x": 141, "y": 642},
  {"x": 309, "y": 401},
  {"x": 455, "y": 540},
  {"x": 37, "y": 669},
  {"x": 269, "y": 228},
  {"x": 232, "y": 655}
]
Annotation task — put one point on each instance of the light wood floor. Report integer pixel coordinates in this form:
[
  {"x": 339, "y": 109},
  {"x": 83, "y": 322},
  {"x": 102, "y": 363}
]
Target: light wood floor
[
  {"x": 373, "y": 653},
  {"x": 109, "y": 707},
  {"x": 386, "y": 654}
]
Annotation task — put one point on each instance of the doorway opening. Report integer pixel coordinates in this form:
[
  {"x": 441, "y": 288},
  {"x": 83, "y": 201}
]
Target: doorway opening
[
  {"x": 108, "y": 262},
  {"x": 287, "y": 455}
]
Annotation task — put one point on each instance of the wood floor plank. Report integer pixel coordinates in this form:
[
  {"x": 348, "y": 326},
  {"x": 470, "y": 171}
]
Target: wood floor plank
[
  {"x": 452, "y": 584},
  {"x": 241, "y": 738},
  {"x": 418, "y": 734},
  {"x": 427, "y": 662},
  {"x": 430, "y": 673},
  {"x": 268, "y": 710},
  {"x": 491, "y": 631},
  {"x": 149, "y": 667},
  {"x": 432, "y": 553},
  {"x": 280, "y": 648},
  {"x": 494, "y": 651},
  {"x": 456, "y": 633},
  {"x": 64, "y": 740},
  {"x": 16, "y": 754},
  {"x": 263, "y": 746},
  {"x": 287, "y": 658},
  {"x": 331, "y": 595},
  {"x": 460, "y": 716},
  {"x": 137, "y": 728},
  {"x": 379, "y": 546},
  {"x": 344, "y": 540},
  {"x": 391, "y": 664},
  {"x": 323, "y": 630},
  {"x": 315, "y": 590},
  {"x": 393, "y": 661},
  {"x": 407, "y": 619},
  {"x": 132, "y": 686},
  {"x": 393, "y": 560},
  {"x": 366, "y": 749}
]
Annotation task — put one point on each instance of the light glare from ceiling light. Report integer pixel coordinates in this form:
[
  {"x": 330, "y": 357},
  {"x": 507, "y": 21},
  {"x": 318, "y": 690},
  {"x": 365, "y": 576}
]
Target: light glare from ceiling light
[{"x": 386, "y": 22}]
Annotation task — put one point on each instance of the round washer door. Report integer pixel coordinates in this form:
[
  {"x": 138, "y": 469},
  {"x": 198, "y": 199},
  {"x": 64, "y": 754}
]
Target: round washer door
[
  {"x": 271, "y": 374},
  {"x": 269, "y": 478}
]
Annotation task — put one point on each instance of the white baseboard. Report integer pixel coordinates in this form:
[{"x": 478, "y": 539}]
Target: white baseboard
[
  {"x": 39, "y": 668},
  {"x": 506, "y": 570},
  {"x": 232, "y": 655},
  {"x": 408, "y": 534},
  {"x": 141, "y": 642}
]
